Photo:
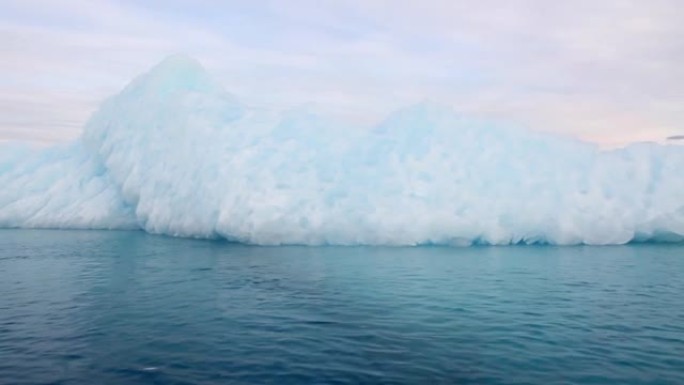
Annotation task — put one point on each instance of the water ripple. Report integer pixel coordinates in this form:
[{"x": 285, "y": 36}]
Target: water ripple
[{"x": 119, "y": 307}]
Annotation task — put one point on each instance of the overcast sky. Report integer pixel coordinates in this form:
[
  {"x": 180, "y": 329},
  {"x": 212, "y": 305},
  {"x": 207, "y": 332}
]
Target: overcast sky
[{"x": 610, "y": 71}]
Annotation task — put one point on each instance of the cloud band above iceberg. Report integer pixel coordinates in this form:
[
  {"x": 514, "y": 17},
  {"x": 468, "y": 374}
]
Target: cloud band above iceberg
[{"x": 608, "y": 71}]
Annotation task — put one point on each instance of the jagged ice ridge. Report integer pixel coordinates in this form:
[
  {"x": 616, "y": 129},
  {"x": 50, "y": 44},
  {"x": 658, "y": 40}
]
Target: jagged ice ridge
[{"x": 175, "y": 154}]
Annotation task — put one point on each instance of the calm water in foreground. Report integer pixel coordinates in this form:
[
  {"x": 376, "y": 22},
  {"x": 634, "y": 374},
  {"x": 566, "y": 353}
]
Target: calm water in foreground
[{"x": 80, "y": 307}]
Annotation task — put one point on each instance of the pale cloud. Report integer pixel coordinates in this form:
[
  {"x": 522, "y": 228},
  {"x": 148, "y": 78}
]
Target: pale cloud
[{"x": 607, "y": 71}]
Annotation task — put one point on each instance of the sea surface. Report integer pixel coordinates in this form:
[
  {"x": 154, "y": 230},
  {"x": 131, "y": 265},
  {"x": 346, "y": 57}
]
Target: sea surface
[{"x": 97, "y": 307}]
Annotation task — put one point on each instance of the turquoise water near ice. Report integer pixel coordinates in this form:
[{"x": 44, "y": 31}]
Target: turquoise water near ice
[{"x": 92, "y": 307}]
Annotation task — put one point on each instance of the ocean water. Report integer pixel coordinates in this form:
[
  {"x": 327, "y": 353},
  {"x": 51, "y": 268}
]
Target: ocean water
[{"x": 95, "y": 307}]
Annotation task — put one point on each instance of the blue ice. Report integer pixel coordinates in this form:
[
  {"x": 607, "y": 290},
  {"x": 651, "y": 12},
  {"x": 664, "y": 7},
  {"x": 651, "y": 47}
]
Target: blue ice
[{"x": 175, "y": 154}]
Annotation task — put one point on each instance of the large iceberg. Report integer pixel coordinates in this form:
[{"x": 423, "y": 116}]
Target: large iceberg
[{"x": 175, "y": 154}]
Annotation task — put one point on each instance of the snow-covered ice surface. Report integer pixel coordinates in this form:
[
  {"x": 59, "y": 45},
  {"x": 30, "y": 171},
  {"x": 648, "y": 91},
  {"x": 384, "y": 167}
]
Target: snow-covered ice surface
[{"x": 175, "y": 154}]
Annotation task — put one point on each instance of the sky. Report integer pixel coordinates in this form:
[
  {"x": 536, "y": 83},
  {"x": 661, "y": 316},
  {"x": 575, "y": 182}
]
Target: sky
[{"x": 608, "y": 71}]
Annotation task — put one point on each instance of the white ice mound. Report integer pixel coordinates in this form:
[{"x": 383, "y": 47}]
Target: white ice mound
[
  {"x": 61, "y": 187},
  {"x": 175, "y": 154}
]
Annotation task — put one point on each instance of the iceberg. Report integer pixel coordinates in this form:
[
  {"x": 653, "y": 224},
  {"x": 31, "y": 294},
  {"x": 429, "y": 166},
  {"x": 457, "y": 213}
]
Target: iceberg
[{"x": 175, "y": 154}]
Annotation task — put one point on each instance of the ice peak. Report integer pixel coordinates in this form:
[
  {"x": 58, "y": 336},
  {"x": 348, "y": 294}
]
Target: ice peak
[
  {"x": 179, "y": 61},
  {"x": 175, "y": 96},
  {"x": 175, "y": 73}
]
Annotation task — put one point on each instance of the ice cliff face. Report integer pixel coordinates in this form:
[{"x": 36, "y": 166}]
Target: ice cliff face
[{"x": 175, "y": 154}]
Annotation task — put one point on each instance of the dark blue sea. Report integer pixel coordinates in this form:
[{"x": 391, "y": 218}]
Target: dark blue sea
[{"x": 97, "y": 307}]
